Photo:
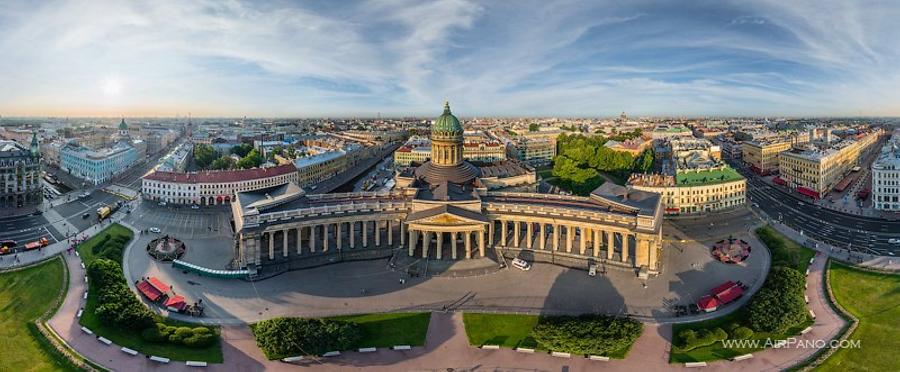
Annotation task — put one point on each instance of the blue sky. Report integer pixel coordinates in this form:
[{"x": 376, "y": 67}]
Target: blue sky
[{"x": 489, "y": 58}]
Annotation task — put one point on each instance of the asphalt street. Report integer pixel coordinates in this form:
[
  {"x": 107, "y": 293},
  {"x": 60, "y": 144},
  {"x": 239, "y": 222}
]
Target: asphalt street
[{"x": 857, "y": 233}]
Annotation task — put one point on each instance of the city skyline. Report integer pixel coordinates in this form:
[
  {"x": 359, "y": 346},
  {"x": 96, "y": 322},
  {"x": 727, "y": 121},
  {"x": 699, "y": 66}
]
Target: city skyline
[{"x": 400, "y": 58}]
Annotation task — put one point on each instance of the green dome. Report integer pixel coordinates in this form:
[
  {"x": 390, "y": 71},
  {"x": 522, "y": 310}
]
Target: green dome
[
  {"x": 122, "y": 125},
  {"x": 447, "y": 122}
]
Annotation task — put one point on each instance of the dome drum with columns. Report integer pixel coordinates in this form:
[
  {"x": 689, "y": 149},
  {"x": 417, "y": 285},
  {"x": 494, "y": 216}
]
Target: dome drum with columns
[{"x": 447, "y": 164}]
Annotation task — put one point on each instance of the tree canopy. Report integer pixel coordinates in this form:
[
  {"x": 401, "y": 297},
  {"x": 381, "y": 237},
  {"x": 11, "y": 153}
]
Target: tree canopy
[
  {"x": 282, "y": 337},
  {"x": 779, "y": 304},
  {"x": 534, "y": 127},
  {"x": 252, "y": 160},
  {"x": 204, "y": 155},
  {"x": 242, "y": 150},
  {"x": 589, "y": 334},
  {"x": 223, "y": 163},
  {"x": 580, "y": 159}
]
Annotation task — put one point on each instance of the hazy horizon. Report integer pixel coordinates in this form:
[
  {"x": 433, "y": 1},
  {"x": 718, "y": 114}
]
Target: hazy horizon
[{"x": 268, "y": 59}]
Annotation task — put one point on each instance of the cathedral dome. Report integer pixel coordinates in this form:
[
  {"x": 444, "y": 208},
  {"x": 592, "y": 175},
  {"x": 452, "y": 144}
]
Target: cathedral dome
[{"x": 446, "y": 123}]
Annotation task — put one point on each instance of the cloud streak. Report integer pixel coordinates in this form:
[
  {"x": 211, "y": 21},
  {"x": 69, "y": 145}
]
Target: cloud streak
[{"x": 402, "y": 57}]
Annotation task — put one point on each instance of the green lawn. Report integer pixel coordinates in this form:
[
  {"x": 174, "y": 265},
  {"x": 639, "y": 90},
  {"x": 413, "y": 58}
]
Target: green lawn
[
  {"x": 25, "y": 295},
  {"x": 509, "y": 331},
  {"x": 875, "y": 300},
  {"x": 129, "y": 338},
  {"x": 785, "y": 252},
  {"x": 386, "y": 330},
  {"x": 506, "y": 330}
]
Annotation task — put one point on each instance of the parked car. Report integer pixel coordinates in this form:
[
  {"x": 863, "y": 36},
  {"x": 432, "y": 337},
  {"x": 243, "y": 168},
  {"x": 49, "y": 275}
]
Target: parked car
[
  {"x": 521, "y": 264},
  {"x": 85, "y": 216},
  {"x": 894, "y": 241},
  {"x": 162, "y": 204},
  {"x": 195, "y": 206},
  {"x": 592, "y": 270},
  {"x": 155, "y": 230}
]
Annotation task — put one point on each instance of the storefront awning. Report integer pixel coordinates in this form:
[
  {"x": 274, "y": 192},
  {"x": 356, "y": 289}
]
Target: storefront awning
[
  {"x": 808, "y": 192},
  {"x": 779, "y": 181}
]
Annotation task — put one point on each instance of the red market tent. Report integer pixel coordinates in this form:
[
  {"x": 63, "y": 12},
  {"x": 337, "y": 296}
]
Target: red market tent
[
  {"x": 808, "y": 192},
  {"x": 149, "y": 291},
  {"x": 158, "y": 284},
  {"x": 722, "y": 287},
  {"x": 729, "y": 294},
  {"x": 176, "y": 303},
  {"x": 708, "y": 303}
]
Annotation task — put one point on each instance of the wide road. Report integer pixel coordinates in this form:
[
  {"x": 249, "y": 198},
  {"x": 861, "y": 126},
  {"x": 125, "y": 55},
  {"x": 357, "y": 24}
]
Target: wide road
[{"x": 857, "y": 233}]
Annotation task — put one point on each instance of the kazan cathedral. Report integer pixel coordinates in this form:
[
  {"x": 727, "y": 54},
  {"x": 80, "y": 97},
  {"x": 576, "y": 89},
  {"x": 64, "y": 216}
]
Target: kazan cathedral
[{"x": 447, "y": 209}]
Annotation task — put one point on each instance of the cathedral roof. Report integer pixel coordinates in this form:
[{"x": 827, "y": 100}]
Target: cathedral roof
[{"x": 447, "y": 122}]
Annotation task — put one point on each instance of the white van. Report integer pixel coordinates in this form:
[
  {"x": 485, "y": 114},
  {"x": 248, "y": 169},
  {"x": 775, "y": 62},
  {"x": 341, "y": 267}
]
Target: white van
[
  {"x": 592, "y": 270},
  {"x": 521, "y": 264}
]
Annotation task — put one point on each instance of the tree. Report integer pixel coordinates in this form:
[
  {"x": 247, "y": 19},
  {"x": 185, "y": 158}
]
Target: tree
[
  {"x": 242, "y": 150},
  {"x": 223, "y": 163},
  {"x": 742, "y": 136},
  {"x": 281, "y": 337},
  {"x": 534, "y": 127},
  {"x": 590, "y": 334},
  {"x": 204, "y": 155},
  {"x": 779, "y": 304},
  {"x": 252, "y": 160}
]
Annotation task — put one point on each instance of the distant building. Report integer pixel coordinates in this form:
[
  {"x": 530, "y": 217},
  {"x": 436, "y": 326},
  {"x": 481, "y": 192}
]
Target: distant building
[
  {"x": 634, "y": 146},
  {"x": 886, "y": 176},
  {"x": 212, "y": 187},
  {"x": 534, "y": 151},
  {"x": 662, "y": 131},
  {"x": 20, "y": 174},
  {"x": 762, "y": 155},
  {"x": 320, "y": 167},
  {"x": 96, "y": 166},
  {"x": 417, "y": 149},
  {"x": 814, "y": 169},
  {"x": 476, "y": 147}
]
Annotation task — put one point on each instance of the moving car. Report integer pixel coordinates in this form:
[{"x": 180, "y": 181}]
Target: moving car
[
  {"x": 894, "y": 241},
  {"x": 85, "y": 216},
  {"x": 155, "y": 230},
  {"x": 592, "y": 270},
  {"x": 521, "y": 264},
  {"x": 195, "y": 206},
  {"x": 40, "y": 243}
]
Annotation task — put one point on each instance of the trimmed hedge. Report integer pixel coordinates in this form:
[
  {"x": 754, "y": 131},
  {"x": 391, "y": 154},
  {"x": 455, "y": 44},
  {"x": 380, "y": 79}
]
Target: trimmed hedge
[
  {"x": 689, "y": 339},
  {"x": 588, "y": 334},
  {"x": 197, "y": 337},
  {"x": 282, "y": 337}
]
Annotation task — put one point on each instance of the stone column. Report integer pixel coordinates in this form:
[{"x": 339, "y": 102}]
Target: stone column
[
  {"x": 390, "y": 233},
  {"x": 625, "y": 240},
  {"x": 491, "y": 233},
  {"x": 352, "y": 231},
  {"x": 610, "y": 244},
  {"x": 453, "y": 245},
  {"x": 583, "y": 241},
  {"x": 641, "y": 253},
  {"x": 555, "y": 237},
  {"x": 271, "y": 245},
  {"x": 528, "y": 234},
  {"x": 543, "y": 236},
  {"x": 325, "y": 238},
  {"x": 312, "y": 239},
  {"x": 284, "y": 248},
  {"x": 439, "y": 236},
  {"x": 502, "y": 233},
  {"x": 426, "y": 238},
  {"x": 402, "y": 233},
  {"x": 653, "y": 259},
  {"x": 468, "y": 241},
  {"x": 377, "y": 227},
  {"x": 337, "y": 234},
  {"x": 517, "y": 230},
  {"x": 598, "y": 235},
  {"x": 569, "y": 238},
  {"x": 481, "y": 243},
  {"x": 411, "y": 241},
  {"x": 365, "y": 233}
]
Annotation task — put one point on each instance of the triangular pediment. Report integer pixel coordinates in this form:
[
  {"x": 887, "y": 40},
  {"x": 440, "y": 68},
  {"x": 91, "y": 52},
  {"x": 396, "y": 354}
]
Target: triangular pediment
[{"x": 446, "y": 215}]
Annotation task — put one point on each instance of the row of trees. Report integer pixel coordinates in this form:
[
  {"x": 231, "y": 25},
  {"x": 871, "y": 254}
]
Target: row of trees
[
  {"x": 589, "y": 334},
  {"x": 580, "y": 160},
  {"x": 116, "y": 305},
  {"x": 283, "y": 337},
  {"x": 206, "y": 157}
]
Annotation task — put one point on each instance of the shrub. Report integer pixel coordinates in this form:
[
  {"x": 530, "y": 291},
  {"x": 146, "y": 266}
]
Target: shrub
[
  {"x": 689, "y": 340},
  {"x": 116, "y": 304},
  {"x": 779, "y": 304},
  {"x": 198, "y": 340},
  {"x": 586, "y": 334},
  {"x": 280, "y": 337},
  {"x": 741, "y": 333},
  {"x": 201, "y": 330}
]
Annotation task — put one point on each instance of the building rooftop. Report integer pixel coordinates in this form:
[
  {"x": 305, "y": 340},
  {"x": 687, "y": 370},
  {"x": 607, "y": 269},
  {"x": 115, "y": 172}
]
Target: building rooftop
[
  {"x": 221, "y": 176},
  {"x": 318, "y": 158},
  {"x": 706, "y": 177}
]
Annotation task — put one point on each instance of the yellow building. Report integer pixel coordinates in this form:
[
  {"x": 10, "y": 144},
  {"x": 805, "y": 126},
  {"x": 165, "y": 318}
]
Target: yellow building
[
  {"x": 317, "y": 168},
  {"x": 762, "y": 156},
  {"x": 534, "y": 151},
  {"x": 814, "y": 171},
  {"x": 695, "y": 191}
]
